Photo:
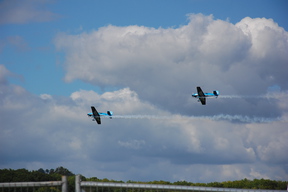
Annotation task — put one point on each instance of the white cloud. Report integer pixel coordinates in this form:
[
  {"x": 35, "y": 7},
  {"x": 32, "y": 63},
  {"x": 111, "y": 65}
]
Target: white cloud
[
  {"x": 4, "y": 73},
  {"x": 276, "y": 145},
  {"x": 163, "y": 66},
  {"x": 133, "y": 144},
  {"x": 45, "y": 96},
  {"x": 269, "y": 47},
  {"x": 21, "y": 12}
]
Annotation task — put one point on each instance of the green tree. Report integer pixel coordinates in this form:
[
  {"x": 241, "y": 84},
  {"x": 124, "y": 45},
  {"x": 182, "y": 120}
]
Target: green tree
[
  {"x": 215, "y": 184},
  {"x": 52, "y": 171},
  {"x": 41, "y": 170},
  {"x": 185, "y": 183},
  {"x": 63, "y": 171},
  {"x": 50, "y": 189}
]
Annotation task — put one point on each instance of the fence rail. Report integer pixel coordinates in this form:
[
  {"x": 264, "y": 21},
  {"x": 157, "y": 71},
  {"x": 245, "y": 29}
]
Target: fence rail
[
  {"x": 62, "y": 183},
  {"x": 162, "y": 187}
]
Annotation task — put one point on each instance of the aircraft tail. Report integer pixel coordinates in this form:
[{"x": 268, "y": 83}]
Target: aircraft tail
[
  {"x": 110, "y": 113},
  {"x": 216, "y": 93}
]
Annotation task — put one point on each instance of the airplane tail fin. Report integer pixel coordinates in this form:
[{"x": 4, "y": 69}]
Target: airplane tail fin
[
  {"x": 110, "y": 113},
  {"x": 216, "y": 93}
]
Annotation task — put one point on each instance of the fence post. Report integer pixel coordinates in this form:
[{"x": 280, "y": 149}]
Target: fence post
[
  {"x": 64, "y": 184},
  {"x": 77, "y": 183}
]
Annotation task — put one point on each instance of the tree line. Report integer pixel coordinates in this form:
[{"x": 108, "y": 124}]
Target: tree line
[{"x": 23, "y": 175}]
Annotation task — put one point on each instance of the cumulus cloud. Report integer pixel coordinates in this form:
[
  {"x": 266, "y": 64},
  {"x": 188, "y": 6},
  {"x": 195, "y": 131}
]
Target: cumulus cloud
[
  {"x": 51, "y": 131},
  {"x": 21, "y": 12},
  {"x": 269, "y": 47},
  {"x": 3, "y": 74},
  {"x": 163, "y": 66}
]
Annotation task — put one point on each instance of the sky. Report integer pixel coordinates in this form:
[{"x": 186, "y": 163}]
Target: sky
[{"x": 143, "y": 60}]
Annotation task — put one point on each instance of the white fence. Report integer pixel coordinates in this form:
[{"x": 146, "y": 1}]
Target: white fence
[
  {"x": 63, "y": 184},
  {"x": 81, "y": 186},
  {"x": 86, "y": 184}
]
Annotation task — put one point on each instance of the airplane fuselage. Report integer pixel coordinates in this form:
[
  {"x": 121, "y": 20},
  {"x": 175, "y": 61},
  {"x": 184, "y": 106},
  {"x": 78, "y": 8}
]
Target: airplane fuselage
[
  {"x": 109, "y": 113},
  {"x": 205, "y": 95}
]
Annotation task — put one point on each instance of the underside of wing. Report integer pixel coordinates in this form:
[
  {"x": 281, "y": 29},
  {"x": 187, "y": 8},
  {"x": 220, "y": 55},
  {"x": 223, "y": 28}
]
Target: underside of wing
[
  {"x": 96, "y": 115},
  {"x": 98, "y": 119},
  {"x": 203, "y": 100}
]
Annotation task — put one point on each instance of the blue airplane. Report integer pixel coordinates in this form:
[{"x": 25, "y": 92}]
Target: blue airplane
[
  {"x": 96, "y": 116},
  {"x": 202, "y": 96}
]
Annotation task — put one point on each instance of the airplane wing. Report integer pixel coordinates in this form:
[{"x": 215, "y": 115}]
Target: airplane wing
[
  {"x": 96, "y": 115},
  {"x": 201, "y": 96},
  {"x": 200, "y": 92},
  {"x": 203, "y": 100}
]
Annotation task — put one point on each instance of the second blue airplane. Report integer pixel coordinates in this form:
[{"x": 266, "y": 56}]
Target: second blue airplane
[
  {"x": 96, "y": 116},
  {"x": 202, "y": 96}
]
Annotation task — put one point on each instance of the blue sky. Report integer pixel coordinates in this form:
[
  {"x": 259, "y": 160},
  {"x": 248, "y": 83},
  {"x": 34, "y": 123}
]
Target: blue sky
[{"x": 58, "y": 58}]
